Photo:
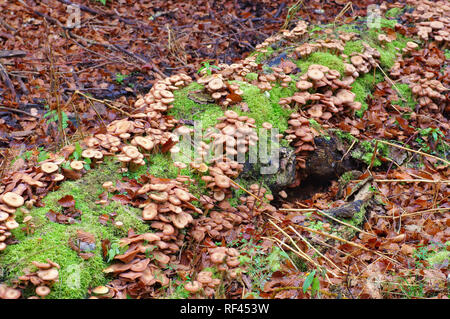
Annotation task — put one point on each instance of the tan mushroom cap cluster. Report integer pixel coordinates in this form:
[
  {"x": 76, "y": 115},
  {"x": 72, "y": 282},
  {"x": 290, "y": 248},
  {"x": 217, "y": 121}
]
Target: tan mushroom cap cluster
[
  {"x": 300, "y": 30},
  {"x": 250, "y": 206},
  {"x": 9, "y": 202},
  {"x": 432, "y": 20},
  {"x": 217, "y": 225},
  {"x": 429, "y": 92},
  {"x": 301, "y": 137},
  {"x": 335, "y": 46},
  {"x": 365, "y": 61},
  {"x": 168, "y": 209},
  {"x": 278, "y": 75},
  {"x": 216, "y": 87},
  {"x": 225, "y": 259},
  {"x": 46, "y": 275},
  {"x": 234, "y": 136},
  {"x": 237, "y": 71}
]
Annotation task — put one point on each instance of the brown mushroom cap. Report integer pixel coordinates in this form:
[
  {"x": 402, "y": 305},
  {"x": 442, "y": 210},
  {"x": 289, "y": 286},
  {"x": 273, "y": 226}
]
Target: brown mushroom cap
[
  {"x": 204, "y": 277},
  {"x": 303, "y": 85},
  {"x": 41, "y": 265},
  {"x": 131, "y": 151},
  {"x": 182, "y": 195},
  {"x": 315, "y": 74},
  {"x": 49, "y": 167},
  {"x": 181, "y": 220},
  {"x": 218, "y": 257},
  {"x": 222, "y": 181},
  {"x": 150, "y": 211},
  {"x": 100, "y": 290},
  {"x": 13, "y": 199},
  {"x": 49, "y": 274},
  {"x": 215, "y": 84},
  {"x": 193, "y": 286},
  {"x": 57, "y": 177},
  {"x": 42, "y": 291},
  {"x": 357, "y": 60},
  {"x": 143, "y": 142},
  {"x": 231, "y": 114},
  {"x": 11, "y": 293},
  {"x": 77, "y": 165}
]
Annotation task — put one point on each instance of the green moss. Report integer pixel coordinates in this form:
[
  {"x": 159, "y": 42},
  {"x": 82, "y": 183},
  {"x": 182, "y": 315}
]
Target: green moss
[
  {"x": 363, "y": 86},
  {"x": 345, "y": 136},
  {"x": 185, "y": 108},
  {"x": 324, "y": 58},
  {"x": 447, "y": 54},
  {"x": 353, "y": 46},
  {"x": 440, "y": 256},
  {"x": 263, "y": 108},
  {"x": 50, "y": 240},
  {"x": 405, "y": 91},
  {"x": 394, "y": 12},
  {"x": 251, "y": 76},
  {"x": 365, "y": 149},
  {"x": 262, "y": 56}
]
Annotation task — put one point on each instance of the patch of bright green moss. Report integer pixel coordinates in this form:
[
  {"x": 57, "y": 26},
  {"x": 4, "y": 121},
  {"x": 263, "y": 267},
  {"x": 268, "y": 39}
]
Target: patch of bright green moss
[
  {"x": 440, "y": 256},
  {"x": 363, "y": 86},
  {"x": 353, "y": 46},
  {"x": 263, "y": 108},
  {"x": 394, "y": 12},
  {"x": 251, "y": 76},
  {"x": 185, "y": 108},
  {"x": 324, "y": 58},
  {"x": 50, "y": 240},
  {"x": 405, "y": 91}
]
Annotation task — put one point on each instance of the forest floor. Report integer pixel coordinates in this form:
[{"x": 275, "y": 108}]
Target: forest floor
[{"x": 357, "y": 209}]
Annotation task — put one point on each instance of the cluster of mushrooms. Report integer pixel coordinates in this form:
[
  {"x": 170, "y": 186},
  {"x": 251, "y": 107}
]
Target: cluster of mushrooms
[
  {"x": 323, "y": 105},
  {"x": 425, "y": 83},
  {"x": 333, "y": 45},
  {"x": 237, "y": 71},
  {"x": 46, "y": 275},
  {"x": 300, "y": 135},
  {"x": 217, "y": 87},
  {"x": 221, "y": 224},
  {"x": 432, "y": 19},
  {"x": 226, "y": 261}
]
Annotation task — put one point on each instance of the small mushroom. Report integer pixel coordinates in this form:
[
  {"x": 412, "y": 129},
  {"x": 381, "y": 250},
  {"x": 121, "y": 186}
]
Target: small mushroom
[{"x": 42, "y": 291}]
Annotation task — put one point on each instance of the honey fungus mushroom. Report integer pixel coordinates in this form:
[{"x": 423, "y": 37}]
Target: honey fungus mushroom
[
  {"x": 49, "y": 167},
  {"x": 12, "y": 199},
  {"x": 42, "y": 291}
]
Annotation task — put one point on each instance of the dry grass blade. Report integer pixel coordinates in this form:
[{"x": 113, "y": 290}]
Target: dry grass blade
[
  {"x": 300, "y": 252},
  {"x": 315, "y": 249},
  {"x": 414, "y": 151},
  {"x": 347, "y": 242}
]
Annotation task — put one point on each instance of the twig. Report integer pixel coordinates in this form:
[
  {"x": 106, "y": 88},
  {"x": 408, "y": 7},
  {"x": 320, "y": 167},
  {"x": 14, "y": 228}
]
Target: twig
[
  {"x": 433, "y": 211},
  {"x": 5, "y": 108},
  {"x": 236, "y": 184},
  {"x": 315, "y": 249},
  {"x": 347, "y": 242},
  {"x": 349, "y": 149},
  {"x": 4, "y": 75},
  {"x": 414, "y": 151},
  {"x": 411, "y": 181},
  {"x": 105, "y": 102}
]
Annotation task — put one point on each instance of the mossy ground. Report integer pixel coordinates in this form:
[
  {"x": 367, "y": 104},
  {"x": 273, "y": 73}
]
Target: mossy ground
[{"x": 50, "y": 240}]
